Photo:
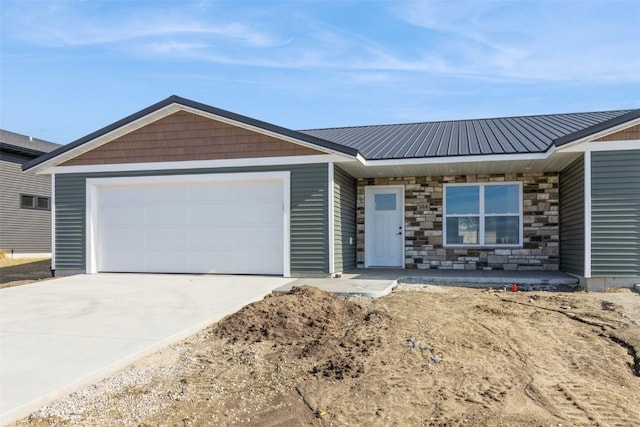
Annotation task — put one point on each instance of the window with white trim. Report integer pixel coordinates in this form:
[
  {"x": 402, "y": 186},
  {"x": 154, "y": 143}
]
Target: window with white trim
[{"x": 486, "y": 214}]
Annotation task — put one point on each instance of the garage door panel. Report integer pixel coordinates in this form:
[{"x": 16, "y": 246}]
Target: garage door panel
[
  {"x": 211, "y": 238},
  {"x": 188, "y": 227},
  {"x": 264, "y": 191},
  {"x": 261, "y": 261},
  {"x": 122, "y": 261},
  {"x": 167, "y": 238},
  {"x": 165, "y": 260},
  {"x": 164, "y": 195},
  {"x": 121, "y": 239},
  {"x": 260, "y": 237},
  {"x": 257, "y": 213},
  {"x": 121, "y": 216},
  {"x": 119, "y": 196}
]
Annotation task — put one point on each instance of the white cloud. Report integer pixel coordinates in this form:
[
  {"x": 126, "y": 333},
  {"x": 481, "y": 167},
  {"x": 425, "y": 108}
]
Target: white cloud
[{"x": 528, "y": 40}]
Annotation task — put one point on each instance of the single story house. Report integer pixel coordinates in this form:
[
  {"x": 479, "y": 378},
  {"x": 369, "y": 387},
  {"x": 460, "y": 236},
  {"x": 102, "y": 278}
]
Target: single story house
[
  {"x": 25, "y": 205},
  {"x": 184, "y": 187}
]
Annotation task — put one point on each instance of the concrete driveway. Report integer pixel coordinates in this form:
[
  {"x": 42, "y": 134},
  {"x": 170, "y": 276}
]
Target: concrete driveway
[{"x": 59, "y": 335}]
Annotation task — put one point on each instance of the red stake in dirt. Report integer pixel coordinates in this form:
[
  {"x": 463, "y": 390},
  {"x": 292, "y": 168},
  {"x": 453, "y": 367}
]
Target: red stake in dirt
[{"x": 514, "y": 288}]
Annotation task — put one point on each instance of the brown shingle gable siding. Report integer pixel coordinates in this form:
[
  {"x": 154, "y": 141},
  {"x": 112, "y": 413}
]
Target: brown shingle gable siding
[
  {"x": 186, "y": 136},
  {"x": 624, "y": 135}
]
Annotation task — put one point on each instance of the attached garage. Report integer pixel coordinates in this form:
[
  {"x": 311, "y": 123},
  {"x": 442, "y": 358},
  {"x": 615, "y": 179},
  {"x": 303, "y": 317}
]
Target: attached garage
[{"x": 207, "y": 223}]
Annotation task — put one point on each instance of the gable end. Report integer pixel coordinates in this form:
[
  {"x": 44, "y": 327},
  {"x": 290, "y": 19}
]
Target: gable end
[
  {"x": 184, "y": 136},
  {"x": 629, "y": 134}
]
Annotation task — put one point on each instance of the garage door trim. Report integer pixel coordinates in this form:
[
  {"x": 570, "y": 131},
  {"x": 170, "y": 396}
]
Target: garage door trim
[{"x": 94, "y": 184}]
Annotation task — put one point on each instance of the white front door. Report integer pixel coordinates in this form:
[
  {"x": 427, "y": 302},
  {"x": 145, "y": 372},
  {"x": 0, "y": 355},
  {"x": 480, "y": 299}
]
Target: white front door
[{"x": 384, "y": 226}]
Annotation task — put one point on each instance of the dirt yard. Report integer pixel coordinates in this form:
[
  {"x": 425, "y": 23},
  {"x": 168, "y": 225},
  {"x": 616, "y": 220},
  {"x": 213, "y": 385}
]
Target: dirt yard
[
  {"x": 428, "y": 356},
  {"x": 14, "y": 272}
]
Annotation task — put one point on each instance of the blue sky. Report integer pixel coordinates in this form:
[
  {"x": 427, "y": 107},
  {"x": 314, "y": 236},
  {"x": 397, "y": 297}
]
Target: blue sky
[{"x": 70, "y": 67}]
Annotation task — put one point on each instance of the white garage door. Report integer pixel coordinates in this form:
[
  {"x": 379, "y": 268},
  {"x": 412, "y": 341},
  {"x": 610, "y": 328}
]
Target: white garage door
[{"x": 214, "y": 226}]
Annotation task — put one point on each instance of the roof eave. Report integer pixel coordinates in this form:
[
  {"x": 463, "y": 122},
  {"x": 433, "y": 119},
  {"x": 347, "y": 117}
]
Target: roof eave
[{"x": 597, "y": 129}]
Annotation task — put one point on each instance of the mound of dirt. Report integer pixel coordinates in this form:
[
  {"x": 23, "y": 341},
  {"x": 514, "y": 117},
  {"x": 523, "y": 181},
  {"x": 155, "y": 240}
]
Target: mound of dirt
[{"x": 335, "y": 334}]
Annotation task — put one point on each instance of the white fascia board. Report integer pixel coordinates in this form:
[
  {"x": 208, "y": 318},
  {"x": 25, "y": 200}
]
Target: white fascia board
[
  {"x": 195, "y": 164},
  {"x": 577, "y": 145},
  {"x": 583, "y": 147},
  {"x": 459, "y": 159}
]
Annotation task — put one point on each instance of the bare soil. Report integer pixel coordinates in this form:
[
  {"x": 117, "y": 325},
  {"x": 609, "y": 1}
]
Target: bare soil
[
  {"x": 429, "y": 356},
  {"x": 15, "y": 272}
]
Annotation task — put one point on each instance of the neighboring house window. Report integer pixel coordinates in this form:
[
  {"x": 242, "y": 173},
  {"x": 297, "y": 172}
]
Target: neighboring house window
[
  {"x": 34, "y": 202},
  {"x": 483, "y": 214}
]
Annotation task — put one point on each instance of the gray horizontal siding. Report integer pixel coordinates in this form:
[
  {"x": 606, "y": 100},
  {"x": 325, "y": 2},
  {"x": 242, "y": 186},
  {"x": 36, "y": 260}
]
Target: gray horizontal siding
[
  {"x": 572, "y": 218},
  {"x": 22, "y": 230},
  {"x": 344, "y": 206},
  {"x": 615, "y": 213},
  {"x": 309, "y": 220}
]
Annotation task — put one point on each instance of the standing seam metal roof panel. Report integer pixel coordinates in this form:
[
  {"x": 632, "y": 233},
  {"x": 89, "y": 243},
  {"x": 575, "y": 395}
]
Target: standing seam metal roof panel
[{"x": 523, "y": 134}]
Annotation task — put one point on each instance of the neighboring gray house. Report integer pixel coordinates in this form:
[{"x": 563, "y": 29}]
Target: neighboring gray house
[
  {"x": 183, "y": 187},
  {"x": 25, "y": 199}
]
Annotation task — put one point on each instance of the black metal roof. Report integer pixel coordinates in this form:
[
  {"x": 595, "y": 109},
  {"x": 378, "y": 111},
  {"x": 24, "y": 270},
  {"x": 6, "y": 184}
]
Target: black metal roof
[
  {"x": 23, "y": 144},
  {"x": 507, "y": 135}
]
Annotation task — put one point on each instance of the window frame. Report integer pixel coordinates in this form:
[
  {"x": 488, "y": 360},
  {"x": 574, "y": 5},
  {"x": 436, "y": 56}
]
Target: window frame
[
  {"x": 481, "y": 215},
  {"x": 36, "y": 202}
]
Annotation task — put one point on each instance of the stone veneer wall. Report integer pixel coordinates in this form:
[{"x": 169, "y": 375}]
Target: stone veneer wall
[{"x": 423, "y": 224}]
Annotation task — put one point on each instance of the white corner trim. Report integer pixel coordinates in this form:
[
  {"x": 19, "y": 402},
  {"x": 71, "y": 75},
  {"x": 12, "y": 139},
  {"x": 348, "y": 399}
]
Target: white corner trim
[
  {"x": 587, "y": 214},
  {"x": 52, "y": 204},
  {"x": 286, "y": 212},
  {"x": 93, "y": 185},
  {"x": 332, "y": 250},
  {"x": 195, "y": 164}
]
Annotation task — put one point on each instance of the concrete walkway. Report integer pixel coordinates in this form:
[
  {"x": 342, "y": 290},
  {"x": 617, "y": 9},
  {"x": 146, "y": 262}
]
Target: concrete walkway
[
  {"x": 59, "y": 335},
  {"x": 378, "y": 282}
]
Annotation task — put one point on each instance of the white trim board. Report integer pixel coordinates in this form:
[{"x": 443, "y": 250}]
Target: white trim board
[
  {"x": 93, "y": 184},
  {"x": 633, "y": 144},
  {"x": 330, "y": 208},
  {"x": 197, "y": 164},
  {"x": 52, "y": 204},
  {"x": 587, "y": 214}
]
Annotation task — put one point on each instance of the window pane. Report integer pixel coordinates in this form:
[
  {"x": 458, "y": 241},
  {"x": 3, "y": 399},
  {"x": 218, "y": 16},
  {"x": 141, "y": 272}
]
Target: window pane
[
  {"x": 43, "y": 203},
  {"x": 464, "y": 200},
  {"x": 385, "y": 202},
  {"x": 27, "y": 201},
  {"x": 462, "y": 230},
  {"x": 501, "y": 230},
  {"x": 501, "y": 199}
]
